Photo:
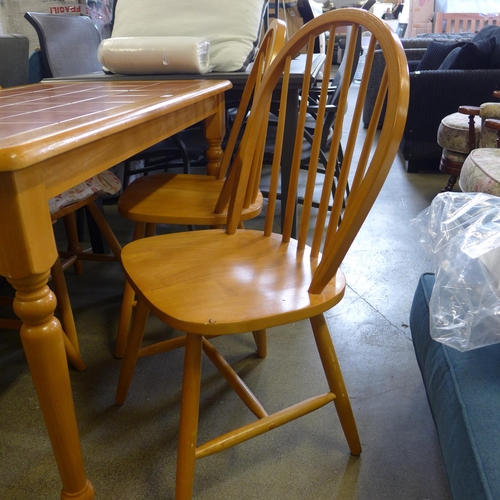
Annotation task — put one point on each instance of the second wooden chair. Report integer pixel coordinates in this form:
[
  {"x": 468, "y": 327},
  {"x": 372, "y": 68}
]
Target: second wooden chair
[{"x": 190, "y": 199}]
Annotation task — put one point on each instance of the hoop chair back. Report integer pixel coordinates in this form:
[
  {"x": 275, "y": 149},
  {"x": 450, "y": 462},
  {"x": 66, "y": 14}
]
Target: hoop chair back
[
  {"x": 366, "y": 162},
  {"x": 271, "y": 44}
]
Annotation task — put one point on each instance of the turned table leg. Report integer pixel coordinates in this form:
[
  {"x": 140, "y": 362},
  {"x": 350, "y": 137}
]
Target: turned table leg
[
  {"x": 43, "y": 343},
  {"x": 215, "y": 129}
]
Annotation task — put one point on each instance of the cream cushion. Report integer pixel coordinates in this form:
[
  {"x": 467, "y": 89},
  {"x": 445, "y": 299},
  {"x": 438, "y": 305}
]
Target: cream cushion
[
  {"x": 231, "y": 26},
  {"x": 481, "y": 172}
]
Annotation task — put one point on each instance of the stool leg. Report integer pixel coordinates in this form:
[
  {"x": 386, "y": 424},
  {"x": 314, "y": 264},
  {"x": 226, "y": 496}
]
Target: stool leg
[{"x": 450, "y": 184}]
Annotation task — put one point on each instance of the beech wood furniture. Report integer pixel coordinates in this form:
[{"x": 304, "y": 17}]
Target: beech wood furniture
[
  {"x": 217, "y": 282},
  {"x": 54, "y": 135},
  {"x": 239, "y": 80},
  {"x": 190, "y": 199}
]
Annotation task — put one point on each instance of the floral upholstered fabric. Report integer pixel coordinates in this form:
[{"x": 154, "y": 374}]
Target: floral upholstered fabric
[
  {"x": 103, "y": 183},
  {"x": 453, "y": 132},
  {"x": 453, "y": 156},
  {"x": 481, "y": 172},
  {"x": 488, "y": 136}
]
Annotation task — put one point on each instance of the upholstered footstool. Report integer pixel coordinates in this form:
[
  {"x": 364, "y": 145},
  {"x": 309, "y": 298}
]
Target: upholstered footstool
[
  {"x": 457, "y": 139},
  {"x": 461, "y": 132},
  {"x": 481, "y": 172}
]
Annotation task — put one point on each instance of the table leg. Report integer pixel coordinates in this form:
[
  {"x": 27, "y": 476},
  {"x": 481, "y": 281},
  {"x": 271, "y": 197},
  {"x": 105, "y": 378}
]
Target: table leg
[
  {"x": 27, "y": 253},
  {"x": 43, "y": 343},
  {"x": 215, "y": 129}
]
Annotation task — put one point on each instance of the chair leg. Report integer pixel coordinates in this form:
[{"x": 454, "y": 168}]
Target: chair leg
[
  {"x": 128, "y": 300},
  {"x": 190, "y": 406},
  {"x": 450, "y": 184},
  {"x": 67, "y": 319},
  {"x": 104, "y": 228},
  {"x": 260, "y": 338},
  {"x": 139, "y": 321},
  {"x": 73, "y": 241},
  {"x": 336, "y": 382}
]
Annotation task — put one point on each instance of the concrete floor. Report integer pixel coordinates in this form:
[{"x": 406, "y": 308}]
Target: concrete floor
[{"x": 130, "y": 452}]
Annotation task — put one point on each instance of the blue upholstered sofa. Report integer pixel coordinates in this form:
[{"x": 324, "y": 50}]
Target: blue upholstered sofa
[{"x": 463, "y": 391}]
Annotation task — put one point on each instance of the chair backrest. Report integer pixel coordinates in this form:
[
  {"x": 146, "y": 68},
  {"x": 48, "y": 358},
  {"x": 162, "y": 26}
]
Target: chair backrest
[
  {"x": 365, "y": 161},
  {"x": 272, "y": 42},
  {"x": 68, "y": 43}
]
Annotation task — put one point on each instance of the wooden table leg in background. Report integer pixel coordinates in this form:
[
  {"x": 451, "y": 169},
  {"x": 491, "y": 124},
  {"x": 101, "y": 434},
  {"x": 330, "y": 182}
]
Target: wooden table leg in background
[{"x": 215, "y": 129}]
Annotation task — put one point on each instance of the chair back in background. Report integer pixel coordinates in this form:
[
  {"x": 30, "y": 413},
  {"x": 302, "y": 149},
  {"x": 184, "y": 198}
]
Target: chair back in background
[{"x": 68, "y": 44}]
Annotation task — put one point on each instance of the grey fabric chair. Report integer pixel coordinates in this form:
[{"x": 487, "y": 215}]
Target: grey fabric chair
[{"x": 68, "y": 43}]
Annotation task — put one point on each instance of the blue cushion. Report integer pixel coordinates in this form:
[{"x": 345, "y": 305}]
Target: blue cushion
[
  {"x": 463, "y": 390},
  {"x": 473, "y": 55},
  {"x": 435, "y": 54}
]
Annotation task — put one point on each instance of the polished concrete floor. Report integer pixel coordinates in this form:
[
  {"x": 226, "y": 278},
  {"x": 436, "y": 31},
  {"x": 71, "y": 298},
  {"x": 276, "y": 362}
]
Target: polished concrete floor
[{"x": 130, "y": 451}]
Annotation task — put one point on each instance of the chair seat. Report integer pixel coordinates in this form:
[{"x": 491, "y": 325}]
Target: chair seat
[
  {"x": 175, "y": 265},
  {"x": 453, "y": 132},
  {"x": 105, "y": 182},
  {"x": 177, "y": 199},
  {"x": 481, "y": 172}
]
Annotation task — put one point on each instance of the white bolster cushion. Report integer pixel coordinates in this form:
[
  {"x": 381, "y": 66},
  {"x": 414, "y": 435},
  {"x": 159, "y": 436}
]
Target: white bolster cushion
[
  {"x": 154, "y": 55},
  {"x": 231, "y": 26}
]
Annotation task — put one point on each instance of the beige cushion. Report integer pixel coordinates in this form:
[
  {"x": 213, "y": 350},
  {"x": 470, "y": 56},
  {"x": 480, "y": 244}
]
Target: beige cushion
[
  {"x": 481, "y": 172},
  {"x": 231, "y": 26}
]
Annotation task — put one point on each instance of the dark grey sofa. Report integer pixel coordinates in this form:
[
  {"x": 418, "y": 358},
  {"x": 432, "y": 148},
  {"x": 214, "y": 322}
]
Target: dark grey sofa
[
  {"x": 14, "y": 54},
  {"x": 433, "y": 95}
]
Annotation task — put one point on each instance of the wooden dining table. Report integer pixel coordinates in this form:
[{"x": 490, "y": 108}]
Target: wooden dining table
[{"x": 54, "y": 135}]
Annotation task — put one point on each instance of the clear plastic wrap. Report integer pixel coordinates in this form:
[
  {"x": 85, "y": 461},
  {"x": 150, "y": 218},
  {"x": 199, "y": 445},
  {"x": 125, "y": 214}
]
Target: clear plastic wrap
[{"x": 461, "y": 232}]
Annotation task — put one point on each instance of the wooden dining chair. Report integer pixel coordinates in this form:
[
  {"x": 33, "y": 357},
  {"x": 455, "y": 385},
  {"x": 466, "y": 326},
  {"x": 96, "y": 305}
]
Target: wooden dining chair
[
  {"x": 220, "y": 282},
  {"x": 190, "y": 199}
]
